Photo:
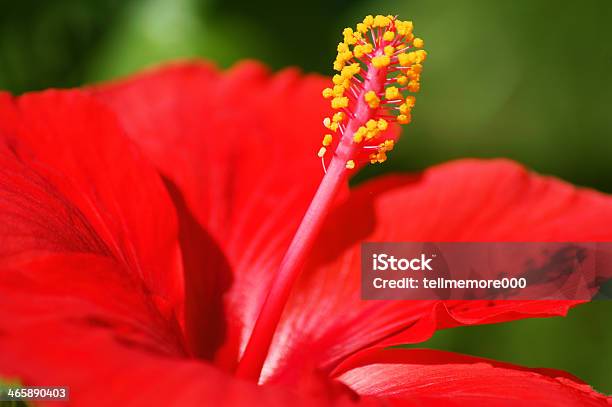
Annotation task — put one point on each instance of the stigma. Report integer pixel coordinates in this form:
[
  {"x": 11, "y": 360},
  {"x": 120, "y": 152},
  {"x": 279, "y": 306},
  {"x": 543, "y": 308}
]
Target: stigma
[{"x": 379, "y": 66}]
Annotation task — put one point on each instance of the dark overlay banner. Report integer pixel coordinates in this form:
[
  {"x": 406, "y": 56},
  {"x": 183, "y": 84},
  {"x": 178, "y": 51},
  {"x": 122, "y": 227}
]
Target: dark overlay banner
[{"x": 486, "y": 270}]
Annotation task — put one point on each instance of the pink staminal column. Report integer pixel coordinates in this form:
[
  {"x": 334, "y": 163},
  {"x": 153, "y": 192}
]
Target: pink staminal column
[{"x": 379, "y": 59}]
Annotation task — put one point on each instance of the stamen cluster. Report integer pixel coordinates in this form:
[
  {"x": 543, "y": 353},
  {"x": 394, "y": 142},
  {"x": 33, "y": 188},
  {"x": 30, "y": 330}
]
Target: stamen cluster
[{"x": 379, "y": 65}]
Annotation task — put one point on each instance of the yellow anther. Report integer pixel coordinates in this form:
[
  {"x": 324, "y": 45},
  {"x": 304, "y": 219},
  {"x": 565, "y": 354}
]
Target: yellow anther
[
  {"x": 382, "y": 124},
  {"x": 381, "y": 21},
  {"x": 362, "y": 28},
  {"x": 327, "y": 93},
  {"x": 350, "y": 70},
  {"x": 327, "y": 122},
  {"x": 349, "y": 36},
  {"x": 417, "y": 68},
  {"x": 372, "y": 124},
  {"x": 338, "y": 117},
  {"x": 345, "y": 56},
  {"x": 368, "y": 20},
  {"x": 342, "y": 59},
  {"x": 392, "y": 93},
  {"x": 407, "y": 59},
  {"x": 401, "y": 79},
  {"x": 387, "y": 145},
  {"x": 421, "y": 55},
  {"x": 403, "y": 119},
  {"x": 418, "y": 43},
  {"x": 327, "y": 139},
  {"x": 381, "y": 61},
  {"x": 358, "y": 51},
  {"x": 337, "y": 79},
  {"x": 339, "y": 102},
  {"x": 410, "y": 101},
  {"x": 404, "y": 28},
  {"x": 338, "y": 90},
  {"x": 389, "y": 50},
  {"x": 413, "y": 76},
  {"x": 388, "y": 36},
  {"x": 404, "y": 108},
  {"x": 350, "y": 164},
  {"x": 372, "y": 99},
  {"x": 378, "y": 157},
  {"x": 359, "y": 134},
  {"x": 321, "y": 152},
  {"x": 414, "y": 86}
]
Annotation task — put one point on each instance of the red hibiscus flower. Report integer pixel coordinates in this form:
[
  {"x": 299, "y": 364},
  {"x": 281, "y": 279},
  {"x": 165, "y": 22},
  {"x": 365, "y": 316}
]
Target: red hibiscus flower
[{"x": 142, "y": 224}]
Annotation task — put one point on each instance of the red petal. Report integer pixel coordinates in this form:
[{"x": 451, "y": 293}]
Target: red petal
[
  {"x": 241, "y": 147},
  {"x": 70, "y": 181},
  {"x": 80, "y": 321},
  {"x": 419, "y": 377},
  {"x": 326, "y": 320}
]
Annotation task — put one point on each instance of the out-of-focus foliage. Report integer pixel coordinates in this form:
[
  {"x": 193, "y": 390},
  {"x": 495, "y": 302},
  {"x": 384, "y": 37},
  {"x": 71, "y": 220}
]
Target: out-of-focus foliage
[
  {"x": 51, "y": 43},
  {"x": 526, "y": 80}
]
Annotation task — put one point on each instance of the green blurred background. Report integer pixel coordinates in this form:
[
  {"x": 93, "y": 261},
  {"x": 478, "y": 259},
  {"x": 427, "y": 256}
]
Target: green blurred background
[{"x": 529, "y": 80}]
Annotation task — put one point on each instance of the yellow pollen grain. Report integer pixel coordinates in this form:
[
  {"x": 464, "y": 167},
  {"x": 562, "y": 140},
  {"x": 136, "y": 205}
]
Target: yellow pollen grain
[
  {"x": 372, "y": 124},
  {"x": 359, "y": 134},
  {"x": 389, "y": 50},
  {"x": 321, "y": 152},
  {"x": 338, "y": 90},
  {"x": 407, "y": 59},
  {"x": 404, "y": 28},
  {"x": 389, "y": 36},
  {"x": 339, "y": 102},
  {"x": 404, "y": 108},
  {"x": 327, "y": 93},
  {"x": 410, "y": 101},
  {"x": 403, "y": 119},
  {"x": 338, "y": 117},
  {"x": 350, "y": 164},
  {"x": 372, "y": 99},
  {"x": 401, "y": 79},
  {"x": 418, "y": 43},
  {"x": 414, "y": 86},
  {"x": 382, "y": 124},
  {"x": 421, "y": 55},
  {"x": 350, "y": 70},
  {"x": 381, "y": 61},
  {"x": 392, "y": 93},
  {"x": 381, "y": 21},
  {"x": 327, "y": 139},
  {"x": 358, "y": 51},
  {"x": 387, "y": 145}
]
